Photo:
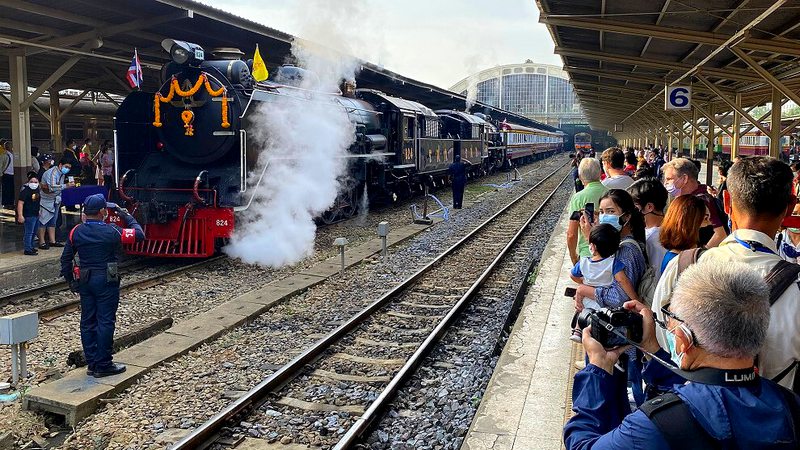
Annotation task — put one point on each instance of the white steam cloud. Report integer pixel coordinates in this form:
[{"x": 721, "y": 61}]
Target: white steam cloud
[{"x": 304, "y": 139}]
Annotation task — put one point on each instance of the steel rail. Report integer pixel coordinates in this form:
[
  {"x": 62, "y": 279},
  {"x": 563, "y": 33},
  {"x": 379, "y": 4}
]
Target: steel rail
[
  {"x": 53, "y": 311},
  {"x": 205, "y": 435},
  {"x": 52, "y": 287},
  {"x": 388, "y": 393}
]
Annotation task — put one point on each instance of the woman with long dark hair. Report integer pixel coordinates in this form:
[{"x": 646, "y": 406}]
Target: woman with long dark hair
[{"x": 618, "y": 209}]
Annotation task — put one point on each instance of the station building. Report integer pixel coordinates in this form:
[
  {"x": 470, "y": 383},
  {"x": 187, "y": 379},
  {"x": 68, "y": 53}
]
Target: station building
[{"x": 541, "y": 92}]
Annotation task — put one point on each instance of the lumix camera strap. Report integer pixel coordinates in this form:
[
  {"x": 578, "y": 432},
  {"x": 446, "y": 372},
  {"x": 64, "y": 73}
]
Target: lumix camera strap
[{"x": 705, "y": 375}]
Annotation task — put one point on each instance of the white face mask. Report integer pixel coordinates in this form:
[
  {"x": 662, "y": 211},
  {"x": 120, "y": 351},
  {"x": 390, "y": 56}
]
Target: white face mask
[{"x": 33, "y": 186}]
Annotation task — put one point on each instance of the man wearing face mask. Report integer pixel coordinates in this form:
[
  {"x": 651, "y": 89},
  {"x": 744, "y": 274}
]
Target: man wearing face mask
[
  {"x": 726, "y": 404},
  {"x": 53, "y": 182},
  {"x": 680, "y": 178},
  {"x": 98, "y": 246},
  {"x": 758, "y": 198}
]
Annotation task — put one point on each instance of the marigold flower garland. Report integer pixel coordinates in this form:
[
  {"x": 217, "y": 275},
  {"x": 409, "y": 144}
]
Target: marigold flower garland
[{"x": 188, "y": 116}]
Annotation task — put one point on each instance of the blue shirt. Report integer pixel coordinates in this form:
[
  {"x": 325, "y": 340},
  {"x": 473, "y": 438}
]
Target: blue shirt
[
  {"x": 97, "y": 243},
  {"x": 667, "y": 258},
  {"x": 749, "y": 417},
  {"x": 632, "y": 258}
]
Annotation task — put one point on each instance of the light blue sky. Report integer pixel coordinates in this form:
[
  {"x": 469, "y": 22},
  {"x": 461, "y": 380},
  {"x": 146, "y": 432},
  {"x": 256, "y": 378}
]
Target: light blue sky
[{"x": 435, "y": 41}]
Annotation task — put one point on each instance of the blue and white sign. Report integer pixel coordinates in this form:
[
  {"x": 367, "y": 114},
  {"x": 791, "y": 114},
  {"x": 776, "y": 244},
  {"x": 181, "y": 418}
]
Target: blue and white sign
[{"x": 678, "y": 98}]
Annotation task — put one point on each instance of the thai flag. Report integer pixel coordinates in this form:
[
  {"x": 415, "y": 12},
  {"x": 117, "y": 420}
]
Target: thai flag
[{"x": 134, "y": 76}]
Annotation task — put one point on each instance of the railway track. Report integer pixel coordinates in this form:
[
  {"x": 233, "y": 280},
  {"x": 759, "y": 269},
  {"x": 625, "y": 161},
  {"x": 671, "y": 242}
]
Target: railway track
[
  {"x": 375, "y": 351},
  {"x": 53, "y": 311}
]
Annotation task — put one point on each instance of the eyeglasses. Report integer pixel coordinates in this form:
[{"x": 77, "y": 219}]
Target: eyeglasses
[{"x": 663, "y": 324}]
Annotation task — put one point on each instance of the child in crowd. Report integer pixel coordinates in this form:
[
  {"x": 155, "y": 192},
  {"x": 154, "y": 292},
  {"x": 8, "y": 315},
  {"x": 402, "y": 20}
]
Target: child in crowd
[
  {"x": 788, "y": 243},
  {"x": 28, "y": 212},
  {"x": 600, "y": 269}
]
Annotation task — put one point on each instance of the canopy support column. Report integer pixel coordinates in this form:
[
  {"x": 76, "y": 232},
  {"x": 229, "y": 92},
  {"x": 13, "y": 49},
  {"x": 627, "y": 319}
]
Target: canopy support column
[
  {"x": 20, "y": 118},
  {"x": 775, "y": 124}
]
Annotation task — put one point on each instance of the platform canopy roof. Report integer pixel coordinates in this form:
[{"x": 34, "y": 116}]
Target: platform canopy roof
[
  {"x": 620, "y": 55},
  {"x": 88, "y": 45}
]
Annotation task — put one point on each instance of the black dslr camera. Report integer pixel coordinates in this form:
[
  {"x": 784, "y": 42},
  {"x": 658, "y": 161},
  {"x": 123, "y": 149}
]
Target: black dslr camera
[{"x": 605, "y": 320}]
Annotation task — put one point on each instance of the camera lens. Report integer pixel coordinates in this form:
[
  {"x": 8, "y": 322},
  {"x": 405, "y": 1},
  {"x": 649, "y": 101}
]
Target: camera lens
[{"x": 585, "y": 318}]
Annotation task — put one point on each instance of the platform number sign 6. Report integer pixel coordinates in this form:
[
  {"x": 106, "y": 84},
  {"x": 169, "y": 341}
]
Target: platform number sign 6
[{"x": 678, "y": 98}]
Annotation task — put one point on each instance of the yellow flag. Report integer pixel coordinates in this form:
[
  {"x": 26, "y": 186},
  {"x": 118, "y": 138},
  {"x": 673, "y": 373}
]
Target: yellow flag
[{"x": 260, "y": 72}]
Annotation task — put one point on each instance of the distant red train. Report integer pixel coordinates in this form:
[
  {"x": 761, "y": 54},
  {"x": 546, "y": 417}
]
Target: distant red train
[{"x": 752, "y": 143}]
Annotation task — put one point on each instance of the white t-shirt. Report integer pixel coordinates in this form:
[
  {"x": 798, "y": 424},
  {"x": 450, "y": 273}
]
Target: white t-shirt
[
  {"x": 618, "y": 182},
  {"x": 9, "y": 169},
  {"x": 655, "y": 252}
]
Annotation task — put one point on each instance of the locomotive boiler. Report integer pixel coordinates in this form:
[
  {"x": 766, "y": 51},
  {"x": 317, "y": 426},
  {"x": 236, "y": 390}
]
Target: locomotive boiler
[{"x": 183, "y": 153}]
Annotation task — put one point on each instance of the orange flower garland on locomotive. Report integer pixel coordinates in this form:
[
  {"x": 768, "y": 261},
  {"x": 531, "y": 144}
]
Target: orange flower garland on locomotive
[{"x": 174, "y": 88}]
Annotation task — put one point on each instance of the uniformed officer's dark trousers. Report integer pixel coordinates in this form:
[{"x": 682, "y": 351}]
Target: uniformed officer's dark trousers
[
  {"x": 99, "y": 302},
  {"x": 458, "y": 193}
]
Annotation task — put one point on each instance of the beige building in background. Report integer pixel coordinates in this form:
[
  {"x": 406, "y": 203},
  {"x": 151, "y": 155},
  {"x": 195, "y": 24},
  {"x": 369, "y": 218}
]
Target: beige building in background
[{"x": 541, "y": 92}]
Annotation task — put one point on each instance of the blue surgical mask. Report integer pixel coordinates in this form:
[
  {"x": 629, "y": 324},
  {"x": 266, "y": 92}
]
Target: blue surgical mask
[
  {"x": 65, "y": 170},
  {"x": 676, "y": 357},
  {"x": 611, "y": 219}
]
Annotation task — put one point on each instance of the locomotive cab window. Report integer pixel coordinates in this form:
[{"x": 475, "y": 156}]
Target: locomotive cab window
[{"x": 408, "y": 127}]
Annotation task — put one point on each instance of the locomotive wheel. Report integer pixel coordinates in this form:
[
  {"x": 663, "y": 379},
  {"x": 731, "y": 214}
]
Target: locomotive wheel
[{"x": 344, "y": 207}]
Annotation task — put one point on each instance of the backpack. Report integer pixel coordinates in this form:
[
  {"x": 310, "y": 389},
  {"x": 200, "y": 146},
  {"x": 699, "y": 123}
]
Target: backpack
[
  {"x": 779, "y": 278},
  {"x": 681, "y": 430},
  {"x": 647, "y": 283}
]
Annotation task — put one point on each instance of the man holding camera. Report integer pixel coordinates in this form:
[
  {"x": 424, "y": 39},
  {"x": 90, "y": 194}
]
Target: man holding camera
[
  {"x": 758, "y": 198},
  {"x": 717, "y": 323},
  {"x": 98, "y": 245}
]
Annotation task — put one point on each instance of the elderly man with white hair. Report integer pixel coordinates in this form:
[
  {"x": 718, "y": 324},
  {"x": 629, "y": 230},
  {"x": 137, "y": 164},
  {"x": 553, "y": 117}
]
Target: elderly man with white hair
[
  {"x": 717, "y": 323},
  {"x": 589, "y": 173}
]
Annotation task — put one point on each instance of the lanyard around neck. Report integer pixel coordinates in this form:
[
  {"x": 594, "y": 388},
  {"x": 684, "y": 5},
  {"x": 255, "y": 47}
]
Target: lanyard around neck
[{"x": 754, "y": 246}]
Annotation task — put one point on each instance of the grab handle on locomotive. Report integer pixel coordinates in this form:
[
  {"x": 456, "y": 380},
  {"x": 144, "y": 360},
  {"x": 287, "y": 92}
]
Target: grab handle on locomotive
[
  {"x": 121, "y": 188},
  {"x": 196, "y": 188}
]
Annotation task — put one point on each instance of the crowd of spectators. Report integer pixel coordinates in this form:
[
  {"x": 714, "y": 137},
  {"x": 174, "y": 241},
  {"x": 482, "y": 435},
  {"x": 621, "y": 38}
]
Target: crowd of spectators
[
  {"x": 712, "y": 274},
  {"x": 38, "y": 205}
]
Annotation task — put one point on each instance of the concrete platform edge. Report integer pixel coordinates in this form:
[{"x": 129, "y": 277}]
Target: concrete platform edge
[{"x": 515, "y": 413}]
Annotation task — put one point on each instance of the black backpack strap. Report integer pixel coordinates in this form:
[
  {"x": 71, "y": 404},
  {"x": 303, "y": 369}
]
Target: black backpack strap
[
  {"x": 780, "y": 278},
  {"x": 680, "y": 429}
]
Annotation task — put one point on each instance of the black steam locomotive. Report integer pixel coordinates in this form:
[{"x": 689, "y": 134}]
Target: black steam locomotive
[{"x": 182, "y": 154}]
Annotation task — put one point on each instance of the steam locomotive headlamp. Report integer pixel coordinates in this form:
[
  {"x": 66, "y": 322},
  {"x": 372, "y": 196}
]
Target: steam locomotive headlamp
[{"x": 182, "y": 52}]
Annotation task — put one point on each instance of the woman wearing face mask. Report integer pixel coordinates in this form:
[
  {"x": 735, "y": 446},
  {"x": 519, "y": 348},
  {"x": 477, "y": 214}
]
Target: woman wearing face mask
[
  {"x": 680, "y": 229},
  {"x": 71, "y": 156},
  {"x": 616, "y": 208}
]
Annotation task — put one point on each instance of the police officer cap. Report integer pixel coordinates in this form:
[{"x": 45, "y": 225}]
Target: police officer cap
[{"x": 94, "y": 203}]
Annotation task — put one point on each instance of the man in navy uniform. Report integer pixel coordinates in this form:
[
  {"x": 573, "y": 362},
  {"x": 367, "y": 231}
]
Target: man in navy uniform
[
  {"x": 458, "y": 171},
  {"x": 98, "y": 246}
]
